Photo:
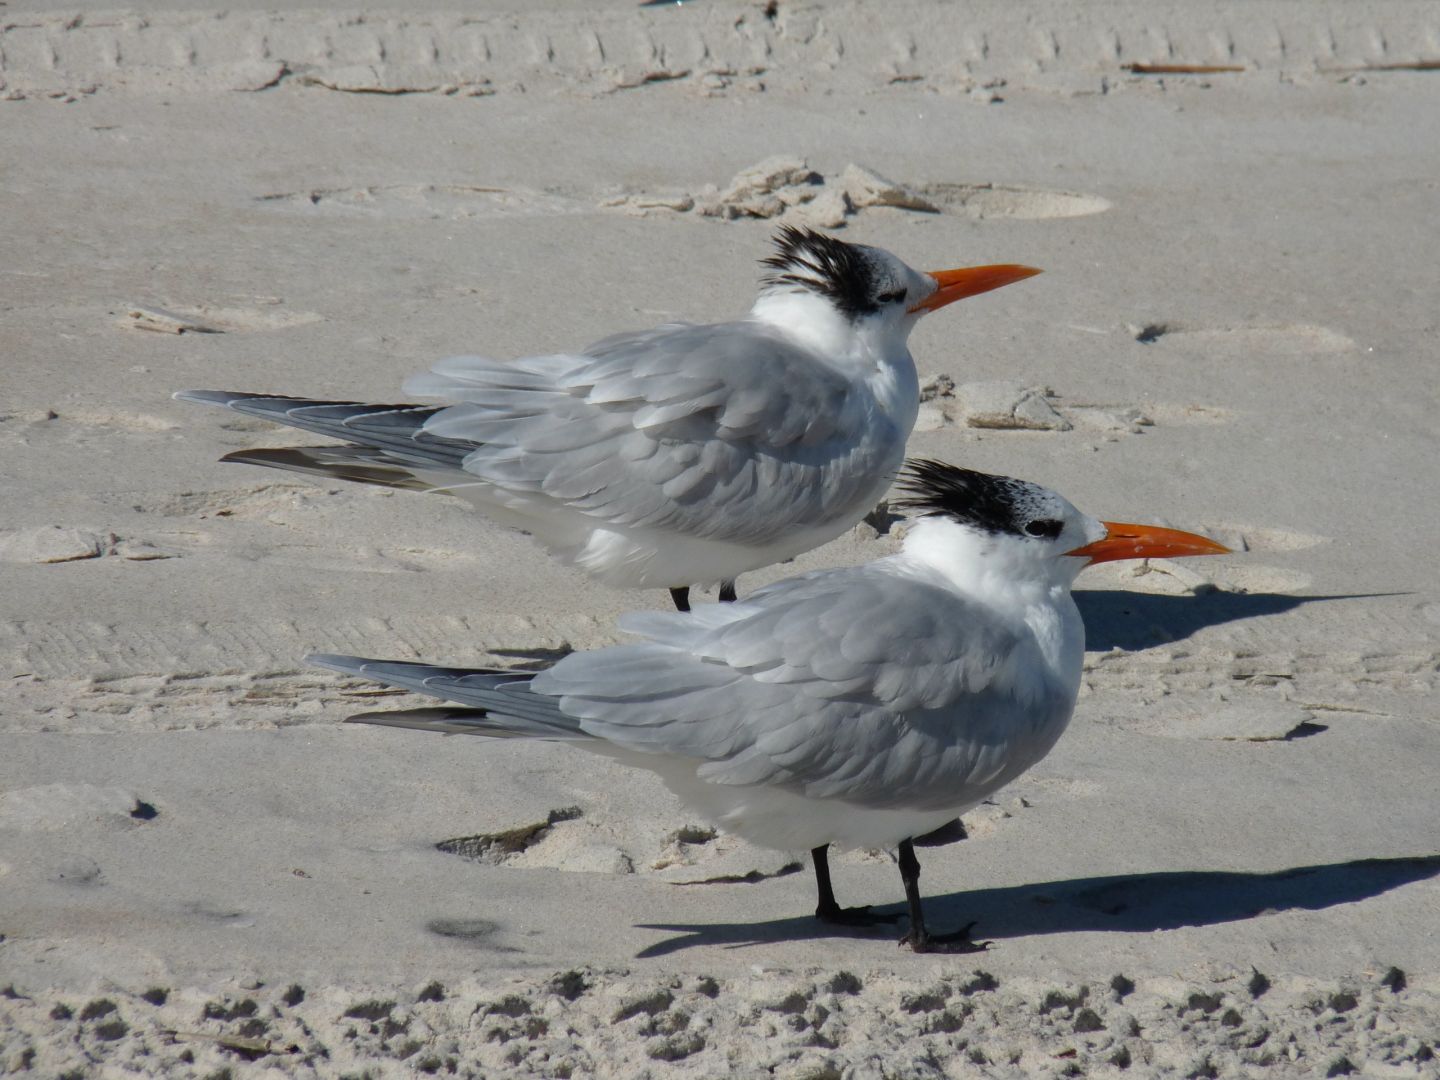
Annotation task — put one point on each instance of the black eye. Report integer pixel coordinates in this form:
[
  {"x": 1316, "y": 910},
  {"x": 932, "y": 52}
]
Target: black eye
[
  {"x": 1047, "y": 527},
  {"x": 891, "y": 297}
]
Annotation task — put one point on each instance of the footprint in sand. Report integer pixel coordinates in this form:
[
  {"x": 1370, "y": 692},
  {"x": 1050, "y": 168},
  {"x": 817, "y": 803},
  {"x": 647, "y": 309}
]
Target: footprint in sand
[{"x": 1281, "y": 339}]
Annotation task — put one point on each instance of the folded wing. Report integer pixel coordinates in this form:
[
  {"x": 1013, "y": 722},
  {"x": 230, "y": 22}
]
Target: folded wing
[
  {"x": 725, "y": 432},
  {"x": 860, "y": 684}
]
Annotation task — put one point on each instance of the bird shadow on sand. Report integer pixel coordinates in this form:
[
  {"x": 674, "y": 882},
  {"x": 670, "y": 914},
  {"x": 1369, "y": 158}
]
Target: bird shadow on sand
[
  {"x": 1126, "y": 903},
  {"x": 1116, "y": 619}
]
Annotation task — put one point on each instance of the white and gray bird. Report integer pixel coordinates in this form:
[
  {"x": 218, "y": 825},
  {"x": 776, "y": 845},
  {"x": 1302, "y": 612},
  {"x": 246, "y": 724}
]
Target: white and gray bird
[
  {"x": 680, "y": 455},
  {"x": 861, "y": 706}
]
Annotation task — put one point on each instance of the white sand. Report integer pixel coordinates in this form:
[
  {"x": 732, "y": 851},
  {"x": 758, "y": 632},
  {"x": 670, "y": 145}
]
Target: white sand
[{"x": 1237, "y": 329}]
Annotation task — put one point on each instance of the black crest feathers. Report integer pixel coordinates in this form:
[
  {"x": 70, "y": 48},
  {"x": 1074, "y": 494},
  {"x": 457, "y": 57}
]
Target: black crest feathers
[
  {"x": 996, "y": 504},
  {"x": 845, "y": 273}
]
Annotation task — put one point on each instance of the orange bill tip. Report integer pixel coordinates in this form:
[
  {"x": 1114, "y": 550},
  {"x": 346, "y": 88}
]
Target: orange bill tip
[
  {"x": 955, "y": 285},
  {"x": 1125, "y": 541}
]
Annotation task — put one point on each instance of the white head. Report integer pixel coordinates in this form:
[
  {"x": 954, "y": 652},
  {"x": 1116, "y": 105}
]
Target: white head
[
  {"x": 826, "y": 289},
  {"x": 985, "y": 531}
]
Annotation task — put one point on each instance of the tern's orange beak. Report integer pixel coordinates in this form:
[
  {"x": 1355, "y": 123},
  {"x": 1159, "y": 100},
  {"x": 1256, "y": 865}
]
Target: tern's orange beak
[
  {"x": 970, "y": 281},
  {"x": 1124, "y": 541}
]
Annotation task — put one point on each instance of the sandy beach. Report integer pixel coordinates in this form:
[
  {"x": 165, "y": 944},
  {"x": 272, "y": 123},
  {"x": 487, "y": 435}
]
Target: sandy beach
[{"x": 1229, "y": 865}]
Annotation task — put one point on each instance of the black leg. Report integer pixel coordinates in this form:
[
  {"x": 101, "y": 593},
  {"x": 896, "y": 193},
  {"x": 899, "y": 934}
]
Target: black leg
[
  {"x": 828, "y": 910},
  {"x": 727, "y": 592},
  {"x": 917, "y": 937},
  {"x": 910, "y": 876},
  {"x": 681, "y": 596}
]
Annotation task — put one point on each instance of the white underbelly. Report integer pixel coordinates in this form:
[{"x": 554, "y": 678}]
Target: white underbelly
[
  {"x": 786, "y": 821},
  {"x": 639, "y": 558}
]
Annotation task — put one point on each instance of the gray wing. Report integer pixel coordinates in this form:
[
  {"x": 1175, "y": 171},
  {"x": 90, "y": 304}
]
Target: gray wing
[
  {"x": 860, "y": 684},
  {"x": 726, "y": 431}
]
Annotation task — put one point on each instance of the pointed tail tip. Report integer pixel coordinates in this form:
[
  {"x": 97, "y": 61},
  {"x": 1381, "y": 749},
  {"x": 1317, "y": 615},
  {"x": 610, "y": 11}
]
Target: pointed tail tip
[
  {"x": 204, "y": 397},
  {"x": 336, "y": 662},
  {"x": 375, "y": 718}
]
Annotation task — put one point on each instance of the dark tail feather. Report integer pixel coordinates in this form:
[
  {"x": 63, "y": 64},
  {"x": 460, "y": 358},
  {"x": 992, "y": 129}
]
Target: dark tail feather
[
  {"x": 360, "y": 464},
  {"x": 396, "y": 430},
  {"x": 499, "y": 703}
]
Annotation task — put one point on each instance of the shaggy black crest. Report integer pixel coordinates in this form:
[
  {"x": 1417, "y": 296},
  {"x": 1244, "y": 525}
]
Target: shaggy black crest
[
  {"x": 843, "y": 272},
  {"x": 997, "y": 504}
]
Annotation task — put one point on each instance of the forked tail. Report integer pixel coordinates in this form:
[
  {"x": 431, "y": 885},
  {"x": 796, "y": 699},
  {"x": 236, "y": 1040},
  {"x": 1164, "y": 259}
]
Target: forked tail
[
  {"x": 384, "y": 444},
  {"x": 497, "y": 704}
]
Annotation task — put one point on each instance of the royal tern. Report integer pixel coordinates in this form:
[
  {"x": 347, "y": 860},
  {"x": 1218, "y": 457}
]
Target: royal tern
[
  {"x": 675, "y": 456},
  {"x": 861, "y": 706}
]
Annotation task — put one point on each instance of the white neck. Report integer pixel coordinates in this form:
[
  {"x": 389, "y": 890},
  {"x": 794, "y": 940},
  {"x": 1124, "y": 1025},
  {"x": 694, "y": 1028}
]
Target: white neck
[
  {"x": 870, "y": 349},
  {"x": 807, "y": 319},
  {"x": 1004, "y": 573}
]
